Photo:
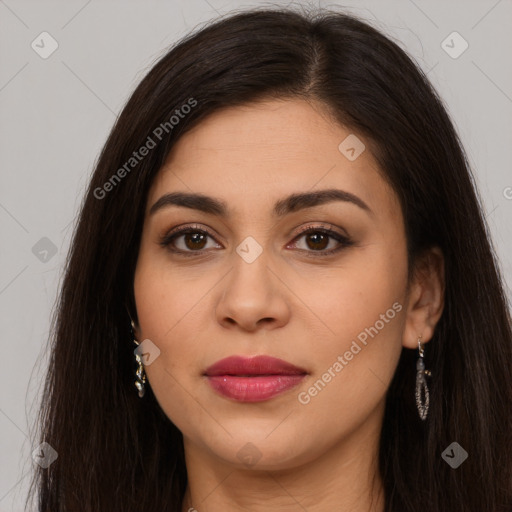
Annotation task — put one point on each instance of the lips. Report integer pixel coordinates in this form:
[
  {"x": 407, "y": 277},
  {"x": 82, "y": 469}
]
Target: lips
[
  {"x": 258, "y": 365},
  {"x": 253, "y": 379}
]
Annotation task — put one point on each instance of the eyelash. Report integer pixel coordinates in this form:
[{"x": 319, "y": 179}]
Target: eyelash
[{"x": 167, "y": 240}]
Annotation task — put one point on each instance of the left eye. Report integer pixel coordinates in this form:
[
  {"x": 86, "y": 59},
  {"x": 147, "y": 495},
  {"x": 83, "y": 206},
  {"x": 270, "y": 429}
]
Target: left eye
[
  {"x": 195, "y": 240},
  {"x": 318, "y": 239}
]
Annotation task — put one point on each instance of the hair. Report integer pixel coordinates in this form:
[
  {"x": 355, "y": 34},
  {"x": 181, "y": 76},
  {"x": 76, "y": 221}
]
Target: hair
[{"x": 119, "y": 452}]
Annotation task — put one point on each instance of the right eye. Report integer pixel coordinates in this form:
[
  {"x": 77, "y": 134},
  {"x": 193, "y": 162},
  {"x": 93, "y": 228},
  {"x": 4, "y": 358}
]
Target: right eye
[{"x": 193, "y": 240}]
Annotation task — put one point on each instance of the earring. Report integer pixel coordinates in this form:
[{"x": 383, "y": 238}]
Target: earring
[
  {"x": 140, "y": 374},
  {"x": 421, "y": 383}
]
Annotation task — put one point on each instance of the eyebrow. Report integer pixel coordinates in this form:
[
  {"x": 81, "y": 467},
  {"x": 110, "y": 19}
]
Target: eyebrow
[{"x": 290, "y": 204}]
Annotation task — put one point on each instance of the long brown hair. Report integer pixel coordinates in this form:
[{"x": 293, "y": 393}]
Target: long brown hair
[{"x": 117, "y": 452}]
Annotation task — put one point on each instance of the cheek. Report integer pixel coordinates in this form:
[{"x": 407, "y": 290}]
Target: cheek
[
  {"x": 359, "y": 312},
  {"x": 164, "y": 297},
  {"x": 172, "y": 311},
  {"x": 166, "y": 316},
  {"x": 352, "y": 295}
]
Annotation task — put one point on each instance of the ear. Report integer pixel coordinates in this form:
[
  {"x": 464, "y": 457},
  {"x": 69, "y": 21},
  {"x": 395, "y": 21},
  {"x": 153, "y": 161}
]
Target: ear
[
  {"x": 425, "y": 298},
  {"x": 135, "y": 329},
  {"x": 134, "y": 324}
]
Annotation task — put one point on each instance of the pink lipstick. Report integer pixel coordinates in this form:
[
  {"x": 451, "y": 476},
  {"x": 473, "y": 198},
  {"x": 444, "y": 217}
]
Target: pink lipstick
[{"x": 253, "y": 379}]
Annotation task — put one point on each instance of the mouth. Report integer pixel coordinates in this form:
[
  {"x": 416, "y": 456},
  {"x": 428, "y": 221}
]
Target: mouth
[{"x": 253, "y": 379}]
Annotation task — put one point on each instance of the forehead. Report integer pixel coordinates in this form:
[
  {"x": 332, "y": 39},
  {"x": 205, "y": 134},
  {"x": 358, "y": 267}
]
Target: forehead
[{"x": 250, "y": 156}]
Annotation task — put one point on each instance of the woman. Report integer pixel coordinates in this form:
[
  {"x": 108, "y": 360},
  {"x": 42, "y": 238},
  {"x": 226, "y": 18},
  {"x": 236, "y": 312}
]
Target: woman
[{"x": 281, "y": 293}]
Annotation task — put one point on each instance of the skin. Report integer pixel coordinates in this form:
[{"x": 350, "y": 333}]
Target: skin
[{"x": 306, "y": 310}]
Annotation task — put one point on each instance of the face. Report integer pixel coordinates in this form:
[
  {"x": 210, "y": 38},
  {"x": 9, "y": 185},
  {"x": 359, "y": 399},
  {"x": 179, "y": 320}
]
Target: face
[{"x": 319, "y": 282}]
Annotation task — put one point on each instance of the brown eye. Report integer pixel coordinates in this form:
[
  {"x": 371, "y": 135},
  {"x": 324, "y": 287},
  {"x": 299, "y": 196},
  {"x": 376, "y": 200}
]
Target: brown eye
[
  {"x": 319, "y": 241},
  {"x": 192, "y": 241},
  {"x": 195, "y": 240},
  {"x": 186, "y": 240}
]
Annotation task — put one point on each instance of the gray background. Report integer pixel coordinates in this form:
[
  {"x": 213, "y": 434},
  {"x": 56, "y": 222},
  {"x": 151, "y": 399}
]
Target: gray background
[{"x": 56, "y": 114}]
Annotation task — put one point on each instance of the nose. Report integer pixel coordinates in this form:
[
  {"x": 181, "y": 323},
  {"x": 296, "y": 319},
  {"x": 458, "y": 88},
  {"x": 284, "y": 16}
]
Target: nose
[{"x": 253, "y": 296}]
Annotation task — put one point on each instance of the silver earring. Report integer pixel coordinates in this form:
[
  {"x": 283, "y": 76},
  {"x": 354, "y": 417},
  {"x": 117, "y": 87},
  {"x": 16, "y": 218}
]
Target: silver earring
[
  {"x": 421, "y": 384},
  {"x": 140, "y": 374}
]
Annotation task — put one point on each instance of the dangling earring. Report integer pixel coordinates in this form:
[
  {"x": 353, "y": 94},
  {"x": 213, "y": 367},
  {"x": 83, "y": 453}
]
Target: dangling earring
[
  {"x": 140, "y": 374},
  {"x": 421, "y": 383}
]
